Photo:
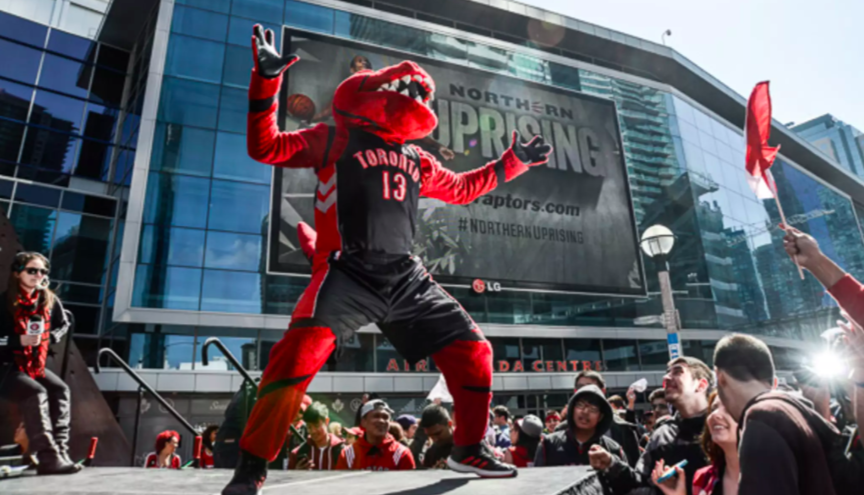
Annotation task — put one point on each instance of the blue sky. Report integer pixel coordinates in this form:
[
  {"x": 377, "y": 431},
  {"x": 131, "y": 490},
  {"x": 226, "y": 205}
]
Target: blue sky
[{"x": 810, "y": 51}]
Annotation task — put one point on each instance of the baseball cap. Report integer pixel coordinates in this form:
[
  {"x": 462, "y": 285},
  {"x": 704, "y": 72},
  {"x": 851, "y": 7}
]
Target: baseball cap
[
  {"x": 356, "y": 431},
  {"x": 531, "y": 426},
  {"x": 307, "y": 401},
  {"x": 406, "y": 421},
  {"x": 373, "y": 405}
]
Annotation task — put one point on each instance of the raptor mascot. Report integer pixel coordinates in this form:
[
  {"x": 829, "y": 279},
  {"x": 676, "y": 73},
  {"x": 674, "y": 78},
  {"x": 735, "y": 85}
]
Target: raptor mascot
[{"x": 369, "y": 185}]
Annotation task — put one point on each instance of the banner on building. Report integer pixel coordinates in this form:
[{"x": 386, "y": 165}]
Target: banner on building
[{"x": 568, "y": 226}]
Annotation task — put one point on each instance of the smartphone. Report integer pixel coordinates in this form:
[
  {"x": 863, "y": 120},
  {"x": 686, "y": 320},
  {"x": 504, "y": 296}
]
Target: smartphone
[{"x": 670, "y": 471}]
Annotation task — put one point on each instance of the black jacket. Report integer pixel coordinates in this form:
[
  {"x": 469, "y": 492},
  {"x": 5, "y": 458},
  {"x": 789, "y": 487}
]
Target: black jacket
[
  {"x": 10, "y": 340},
  {"x": 673, "y": 440},
  {"x": 626, "y": 435},
  {"x": 562, "y": 449}
]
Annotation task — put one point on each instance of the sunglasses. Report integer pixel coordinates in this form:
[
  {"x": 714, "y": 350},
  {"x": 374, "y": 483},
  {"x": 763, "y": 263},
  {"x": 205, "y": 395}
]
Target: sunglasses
[{"x": 34, "y": 271}]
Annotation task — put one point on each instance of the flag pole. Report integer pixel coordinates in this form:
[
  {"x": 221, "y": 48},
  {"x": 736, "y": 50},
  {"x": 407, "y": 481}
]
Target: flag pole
[{"x": 783, "y": 220}]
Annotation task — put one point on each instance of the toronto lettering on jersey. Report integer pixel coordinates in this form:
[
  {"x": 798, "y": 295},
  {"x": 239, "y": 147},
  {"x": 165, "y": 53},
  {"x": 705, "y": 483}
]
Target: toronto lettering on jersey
[
  {"x": 577, "y": 149},
  {"x": 385, "y": 158},
  {"x": 504, "y": 366}
]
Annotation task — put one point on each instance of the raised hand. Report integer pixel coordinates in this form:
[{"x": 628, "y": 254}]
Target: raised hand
[
  {"x": 676, "y": 485},
  {"x": 800, "y": 245},
  {"x": 536, "y": 152},
  {"x": 268, "y": 62}
]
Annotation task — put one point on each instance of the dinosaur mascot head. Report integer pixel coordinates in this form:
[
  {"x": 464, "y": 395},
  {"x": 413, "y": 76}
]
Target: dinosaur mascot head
[{"x": 393, "y": 102}]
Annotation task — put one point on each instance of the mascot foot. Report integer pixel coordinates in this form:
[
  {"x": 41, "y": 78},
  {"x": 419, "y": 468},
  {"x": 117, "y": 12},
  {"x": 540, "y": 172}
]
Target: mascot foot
[
  {"x": 479, "y": 459},
  {"x": 248, "y": 477}
]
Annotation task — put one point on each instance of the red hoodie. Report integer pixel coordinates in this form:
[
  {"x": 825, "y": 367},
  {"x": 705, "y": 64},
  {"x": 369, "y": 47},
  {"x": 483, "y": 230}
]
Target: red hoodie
[
  {"x": 389, "y": 456},
  {"x": 849, "y": 294}
]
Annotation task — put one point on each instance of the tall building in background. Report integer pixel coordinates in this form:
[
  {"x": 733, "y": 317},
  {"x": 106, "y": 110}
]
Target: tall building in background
[
  {"x": 79, "y": 17},
  {"x": 837, "y": 139}
]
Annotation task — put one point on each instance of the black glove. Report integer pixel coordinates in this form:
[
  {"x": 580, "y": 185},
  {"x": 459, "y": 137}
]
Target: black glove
[
  {"x": 269, "y": 63},
  {"x": 536, "y": 152}
]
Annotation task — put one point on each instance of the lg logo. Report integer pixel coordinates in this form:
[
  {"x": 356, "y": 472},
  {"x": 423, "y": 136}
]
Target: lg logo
[{"x": 480, "y": 286}]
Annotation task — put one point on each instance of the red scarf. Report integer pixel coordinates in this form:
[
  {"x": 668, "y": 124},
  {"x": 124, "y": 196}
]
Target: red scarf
[{"x": 31, "y": 360}]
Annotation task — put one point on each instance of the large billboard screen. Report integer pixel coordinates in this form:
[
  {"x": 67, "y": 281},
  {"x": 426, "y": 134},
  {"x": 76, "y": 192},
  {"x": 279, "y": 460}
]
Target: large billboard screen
[{"x": 567, "y": 226}]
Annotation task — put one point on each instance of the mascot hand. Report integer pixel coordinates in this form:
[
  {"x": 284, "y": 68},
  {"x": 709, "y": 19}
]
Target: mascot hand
[
  {"x": 268, "y": 62},
  {"x": 536, "y": 152}
]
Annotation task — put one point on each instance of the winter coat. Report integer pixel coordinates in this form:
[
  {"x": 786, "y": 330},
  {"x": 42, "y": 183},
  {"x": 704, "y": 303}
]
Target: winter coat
[
  {"x": 784, "y": 447},
  {"x": 674, "y": 440}
]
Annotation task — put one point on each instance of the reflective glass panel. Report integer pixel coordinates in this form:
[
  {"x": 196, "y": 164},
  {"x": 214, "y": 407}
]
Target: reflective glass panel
[
  {"x": 160, "y": 351},
  {"x": 357, "y": 354},
  {"x": 14, "y": 100},
  {"x": 582, "y": 350},
  {"x": 282, "y": 293},
  {"x": 233, "y": 107},
  {"x": 71, "y": 45},
  {"x": 72, "y": 293},
  {"x": 387, "y": 356},
  {"x": 188, "y": 102},
  {"x": 88, "y": 204},
  {"x": 184, "y": 150},
  {"x": 22, "y": 30},
  {"x": 195, "y": 58},
  {"x": 223, "y": 6},
  {"x": 19, "y": 62},
  {"x": 37, "y": 195},
  {"x": 171, "y": 246},
  {"x": 167, "y": 287},
  {"x": 237, "y": 68},
  {"x": 234, "y": 251},
  {"x": 231, "y": 292},
  {"x": 93, "y": 159},
  {"x": 99, "y": 122},
  {"x": 307, "y": 16},
  {"x": 257, "y": 9},
  {"x": 49, "y": 150},
  {"x": 505, "y": 349},
  {"x": 200, "y": 23},
  {"x": 34, "y": 226},
  {"x": 57, "y": 112},
  {"x": 113, "y": 58},
  {"x": 244, "y": 348},
  {"x": 620, "y": 355},
  {"x": 176, "y": 200},
  {"x": 107, "y": 87},
  {"x": 654, "y": 354},
  {"x": 65, "y": 75},
  {"x": 80, "y": 248},
  {"x": 240, "y": 31},
  {"x": 86, "y": 318},
  {"x": 232, "y": 161},
  {"x": 11, "y": 134},
  {"x": 239, "y": 207}
]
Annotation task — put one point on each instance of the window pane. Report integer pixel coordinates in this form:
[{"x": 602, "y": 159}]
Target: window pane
[
  {"x": 243, "y": 348},
  {"x": 195, "y": 58},
  {"x": 160, "y": 351},
  {"x": 93, "y": 160},
  {"x": 19, "y": 62},
  {"x": 357, "y": 354},
  {"x": 620, "y": 355},
  {"x": 167, "y": 287},
  {"x": 80, "y": 248},
  {"x": 311, "y": 17},
  {"x": 11, "y": 134},
  {"x": 654, "y": 354},
  {"x": 231, "y": 292},
  {"x": 223, "y": 6},
  {"x": 185, "y": 150},
  {"x": 174, "y": 246},
  {"x": 71, "y": 45},
  {"x": 505, "y": 349},
  {"x": 100, "y": 121},
  {"x": 108, "y": 87},
  {"x": 34, "y": 226},
  {"x": 49, "y": 150},
  {"x": 22, "y": 30},
  {"x": 200, "y": 23},
  {"x": 6, "y": 189},
  {"x": 113, "y": 58},
  {"x": 86, "y": 319},
  {"x": 232, "y": 110},
  {"x": 37, "y": 195},
  {"x": 233, "y": 162},
  {"x": 384, "y": 353},
  {"x": 234, "y": 251},
  {"x": 65, "y": 75},
  {"x": 281, "y": 293},
  {"x": 237, "y": 67},
  {"x": 257, "y": 9},
  {"x": 58, "y": 112},
  {"x": 240, "y": 31},
  {"x": 188, "y": 102},
  {"x": 238, "y": 207},
  {"x": 582, "y": 350},
  {"x": 88, "y": 204},
  {"x": 176, "y": 200},
  {"x": 14, "y": 100},
  {"x": 71, "y": 293}
]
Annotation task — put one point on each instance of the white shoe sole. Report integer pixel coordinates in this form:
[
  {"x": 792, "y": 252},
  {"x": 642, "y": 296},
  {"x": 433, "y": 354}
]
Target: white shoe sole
[{"x": 464, "y": 468}]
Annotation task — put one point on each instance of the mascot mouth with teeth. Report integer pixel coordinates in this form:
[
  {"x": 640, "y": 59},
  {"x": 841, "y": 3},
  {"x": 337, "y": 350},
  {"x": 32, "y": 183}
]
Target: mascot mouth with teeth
[{"x": 369, "y": 184}]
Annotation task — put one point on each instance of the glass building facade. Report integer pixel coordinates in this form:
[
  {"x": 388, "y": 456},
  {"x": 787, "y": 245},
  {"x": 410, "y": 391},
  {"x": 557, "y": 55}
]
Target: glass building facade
[
  {"x": 840, "y": 141},
  {"x": 197, "y": 252}
]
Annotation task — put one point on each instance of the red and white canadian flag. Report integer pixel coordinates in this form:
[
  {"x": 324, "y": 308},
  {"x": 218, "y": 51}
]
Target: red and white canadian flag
[{"x": 760, "y": 156}]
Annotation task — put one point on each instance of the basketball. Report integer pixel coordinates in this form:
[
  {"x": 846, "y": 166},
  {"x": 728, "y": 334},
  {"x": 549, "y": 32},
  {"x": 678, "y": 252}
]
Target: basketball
[{"x": 300, "y": 106}]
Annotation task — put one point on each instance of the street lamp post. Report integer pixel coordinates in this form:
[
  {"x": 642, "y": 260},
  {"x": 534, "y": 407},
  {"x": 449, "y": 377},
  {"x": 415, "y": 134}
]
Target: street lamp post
[{"x": 657, "y": 241}]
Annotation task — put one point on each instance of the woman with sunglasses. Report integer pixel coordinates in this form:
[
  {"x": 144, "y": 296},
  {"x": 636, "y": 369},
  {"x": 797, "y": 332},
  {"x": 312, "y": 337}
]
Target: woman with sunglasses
[{"x": 32, "y": 318}]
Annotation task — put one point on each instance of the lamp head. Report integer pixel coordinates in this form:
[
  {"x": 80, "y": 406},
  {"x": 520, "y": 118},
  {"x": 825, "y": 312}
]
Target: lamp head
[{"x": 657, "y": 240}]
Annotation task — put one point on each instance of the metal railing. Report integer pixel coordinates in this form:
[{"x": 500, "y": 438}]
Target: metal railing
[{"x": 231, "y": 359}]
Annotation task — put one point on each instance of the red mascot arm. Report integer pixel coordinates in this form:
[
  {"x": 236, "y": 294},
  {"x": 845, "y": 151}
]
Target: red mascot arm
[
  {"x": 266, "y": 143},
  {"x": 462, "y": 188}
]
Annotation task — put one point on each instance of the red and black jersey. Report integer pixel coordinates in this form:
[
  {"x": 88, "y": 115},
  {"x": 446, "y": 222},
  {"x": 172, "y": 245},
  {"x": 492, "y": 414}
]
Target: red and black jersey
[
  {"x": 368, "y": 189},
  {"x": 390, "y": 455}
]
